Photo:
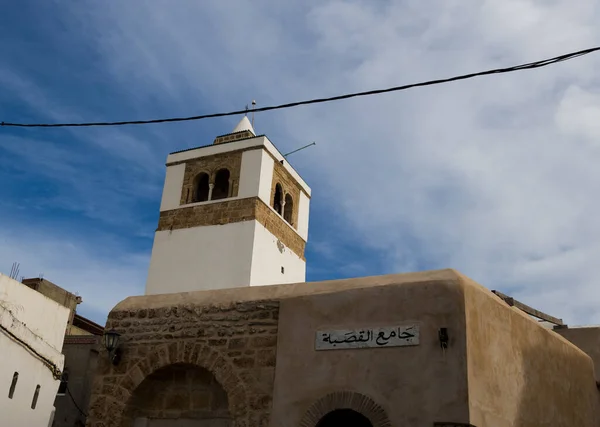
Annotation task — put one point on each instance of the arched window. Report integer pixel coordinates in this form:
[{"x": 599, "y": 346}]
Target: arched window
[
  {"x": 221, "y": 189},
  {"x": 201, "y": 188},
  {"x": 288, "y": 208},
  {"x": 278, "y": 198}
]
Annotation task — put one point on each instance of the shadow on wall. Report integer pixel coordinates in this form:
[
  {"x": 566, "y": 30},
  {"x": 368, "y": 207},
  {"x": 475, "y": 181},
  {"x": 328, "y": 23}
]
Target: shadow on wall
[{"x": 558, "y": 387}]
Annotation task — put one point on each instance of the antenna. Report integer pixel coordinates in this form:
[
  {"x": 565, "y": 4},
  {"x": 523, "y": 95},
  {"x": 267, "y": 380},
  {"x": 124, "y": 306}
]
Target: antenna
[
  {"x": 14, "y": 271},
  {"x": 301, "y": 148},
  {"x": 253, "y": 105}
]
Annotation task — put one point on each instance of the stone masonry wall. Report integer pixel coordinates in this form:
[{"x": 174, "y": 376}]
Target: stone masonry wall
[
  {"x": 230, "y": 137},
  {"x": 289, "y": 186},
  {"x": 230, "y": 211},
  {"x": 211, "y": 165},
  {"x": 218, "y": 213},
  {"x": 237, "y": 343},
  {"x": 280, "y": 229},
  {"x": 179, "y": 391}
]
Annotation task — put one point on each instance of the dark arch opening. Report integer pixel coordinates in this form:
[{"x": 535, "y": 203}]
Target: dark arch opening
[
  {"x": 221, "y": 189},
  {"x": 344, "y": 417},
  {"x": 288, "y": 209},
  {"x": 201, "y": 188},
  {"x": 278, "y": 198}
]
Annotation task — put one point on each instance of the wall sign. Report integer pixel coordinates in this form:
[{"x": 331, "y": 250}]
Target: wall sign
[{"x": 388, "y": 336}]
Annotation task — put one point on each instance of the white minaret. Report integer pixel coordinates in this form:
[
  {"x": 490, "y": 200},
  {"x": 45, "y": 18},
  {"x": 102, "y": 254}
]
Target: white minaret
[{"x": 232, "y": 214}]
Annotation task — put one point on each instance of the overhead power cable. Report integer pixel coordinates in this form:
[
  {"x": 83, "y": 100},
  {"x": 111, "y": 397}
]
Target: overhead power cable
[
  {"x": 528, "y": 66},
  {"x": 75, "y": 403}
]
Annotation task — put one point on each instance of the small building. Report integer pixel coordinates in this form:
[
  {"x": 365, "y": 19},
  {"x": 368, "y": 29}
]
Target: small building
[
  {"x": 208, "y": 345},
  {"x": 419, "y": 349},
  {"x": 56, "y": 293},
  {"x": 31, "y": 338},
  {"x": 80, "y": 350}
]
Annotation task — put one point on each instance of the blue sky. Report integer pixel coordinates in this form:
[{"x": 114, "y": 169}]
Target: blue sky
[{"x": 495, "y": 177}]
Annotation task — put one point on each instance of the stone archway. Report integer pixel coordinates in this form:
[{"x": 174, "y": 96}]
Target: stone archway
[
  {"x": 165, "y": 355},
  {"x": 356, "y": 402},
  {"x": 178, "y": 395}
]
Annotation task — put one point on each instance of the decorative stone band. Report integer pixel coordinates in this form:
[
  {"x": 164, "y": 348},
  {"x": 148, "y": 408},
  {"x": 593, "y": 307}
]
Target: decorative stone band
[
  {"x": 231, "y": 211},
  {"x": 346, "y": 400},
  {"x": 233, "y": 137}
]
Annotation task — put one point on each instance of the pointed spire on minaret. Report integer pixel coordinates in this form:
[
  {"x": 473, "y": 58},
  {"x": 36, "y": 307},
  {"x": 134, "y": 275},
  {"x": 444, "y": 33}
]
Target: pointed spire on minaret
[{"x": 244, "y": 124}]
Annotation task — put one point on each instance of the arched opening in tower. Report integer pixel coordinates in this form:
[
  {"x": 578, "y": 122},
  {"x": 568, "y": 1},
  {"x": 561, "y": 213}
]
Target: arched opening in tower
[
  {"x": 201, "y": 188},
  {"x": 277, "y": 200},
  {"x": 288, "y": 209},
  {"x": 221, "y": 189}
]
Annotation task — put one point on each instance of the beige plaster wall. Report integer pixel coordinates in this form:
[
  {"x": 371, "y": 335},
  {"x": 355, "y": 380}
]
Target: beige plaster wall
[
  {"x": 521, "y": 374},
  {"x": 416, "y": 386},
  {"x": 588, "y": 340}
]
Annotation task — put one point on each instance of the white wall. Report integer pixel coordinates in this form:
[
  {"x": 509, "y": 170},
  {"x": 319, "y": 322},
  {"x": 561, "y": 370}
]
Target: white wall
[
  {"x": 266, "y": 177},
  {"x": 268, "y": 258},
  {"x": 171, "y": 195},
  {"x": 303, "y": 215},
  {"x": 209, "y": 150},
  {"x": 200, "y": 258},
  {"x": 250, "y": 173},
  {"x": 36, "y": 320}
]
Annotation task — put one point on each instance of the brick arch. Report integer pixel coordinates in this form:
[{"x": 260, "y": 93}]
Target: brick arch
[
  {"x": 192, "y": 353},
  {"x": 346, "y": 400}
]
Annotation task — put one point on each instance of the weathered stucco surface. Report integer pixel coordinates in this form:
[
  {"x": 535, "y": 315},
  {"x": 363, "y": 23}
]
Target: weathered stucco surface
[
  {"x": 588, "y": 340},
  {"x": 415, "y": 385},
  {"x": 520, "y": 373},
  {"x": 500, "y": 367}
]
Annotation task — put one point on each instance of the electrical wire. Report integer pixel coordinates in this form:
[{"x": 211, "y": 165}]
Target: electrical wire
[
  {"x": 527, "y": 66},
  {"x": 56, "y": 373},
  {"x": 75, "y": 403}
]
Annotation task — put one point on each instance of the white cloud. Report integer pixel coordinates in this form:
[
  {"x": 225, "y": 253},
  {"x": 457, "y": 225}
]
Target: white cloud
[
  {"x": 98, "y": 269},
  {"x": 495, "y": 176}
]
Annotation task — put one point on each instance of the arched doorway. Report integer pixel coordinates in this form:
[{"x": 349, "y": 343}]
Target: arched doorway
[
  {"x": 344, "y": 417},
  {"x": 178, "y": 395},
  {"x": 345, "y": 408}
]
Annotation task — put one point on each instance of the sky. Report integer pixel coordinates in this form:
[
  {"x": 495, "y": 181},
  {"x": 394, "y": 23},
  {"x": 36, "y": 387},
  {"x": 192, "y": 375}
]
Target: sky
[{"x": 496, "y": 177}]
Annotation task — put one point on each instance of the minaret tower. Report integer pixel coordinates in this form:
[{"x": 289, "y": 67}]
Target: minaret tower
[{"x": 232, "y": 214}]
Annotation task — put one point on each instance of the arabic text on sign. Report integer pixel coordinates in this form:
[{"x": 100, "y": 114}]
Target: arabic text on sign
[{"x": 390, "y": 336}]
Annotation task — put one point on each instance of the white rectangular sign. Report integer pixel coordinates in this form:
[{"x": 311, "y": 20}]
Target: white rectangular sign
[{"x": 388, "y": 336}]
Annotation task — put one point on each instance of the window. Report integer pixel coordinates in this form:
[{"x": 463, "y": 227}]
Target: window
[
  {"x": 277, "y": 200},
  {"x": 282, "y": 270},
  {"x": 64, "y": 380},
  {"x": 13, "y": 385},
  {"x": 35, "y": 396},
  {"x": 201, "y": 188},
  {"x": 288, "y": 209},
  {"x": 221, "y": 190}
]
